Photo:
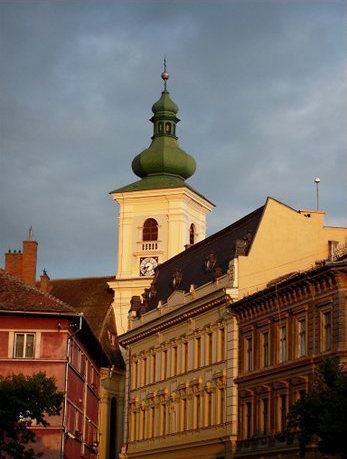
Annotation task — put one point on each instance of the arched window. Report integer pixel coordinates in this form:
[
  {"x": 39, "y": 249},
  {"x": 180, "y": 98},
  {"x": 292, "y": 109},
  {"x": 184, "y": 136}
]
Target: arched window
[
  {"x": 150, "y": 230},
  {"x": 160, "y": 127},
  {"x": 168, "y": 128},
  {"x": 192, "y": 234}
]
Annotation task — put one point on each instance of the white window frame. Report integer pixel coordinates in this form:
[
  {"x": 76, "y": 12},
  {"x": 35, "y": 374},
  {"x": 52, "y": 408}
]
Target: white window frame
[{"x": 24, "y": 356}]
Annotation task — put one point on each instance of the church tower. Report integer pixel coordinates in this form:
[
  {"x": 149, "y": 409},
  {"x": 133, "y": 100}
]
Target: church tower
[{"x": 160, "y": 214}]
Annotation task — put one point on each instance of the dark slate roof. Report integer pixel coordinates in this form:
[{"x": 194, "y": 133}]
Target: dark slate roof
[
  {"x": 94, "y": 298},
  {"x": 16, "y": 295},
  {"x": 192, "y": 261}
]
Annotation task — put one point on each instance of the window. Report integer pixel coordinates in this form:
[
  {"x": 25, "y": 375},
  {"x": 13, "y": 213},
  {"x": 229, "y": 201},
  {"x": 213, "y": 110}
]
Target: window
[
  {"x": 134, "y": 425},
  {"x": 283, "y": 411},
  {"x": 326, "y": 331},
  {"x": 283, "y": 343},
  {"x": 248, "y": 420},
  {"x": 265, "y": 428},
  {"x": 174, "y": 360},
  {"x": 198, "y": 352},
  {"x": 24, "y": 345},
  {"x": 152, "y": 422},
  {"x": 209, "y": 408},
  {"x": 209, "y": 348},
  {"x": 192, "y": 234},
  {"x": 135, "y": 373},
  {"x": 221, "y": 336},
  {"x": 82, "y": 364},
  {"x": 150, "y": 230},
  {"x": 221, "y": 401},
  {"x": 249, "y": 354},
  {"x": 160, "y": 128},
  {"x": 153, "y": 367},
  {"x": 144, "y": 372},
  {"x": 168, "y": 128},
  {"x": 164, "y": 373},
  {"x": 197, "y": 411},
  {"x": 265, "y": 342},
  {"x": 301, "y": 337},
  {"x": 185, "y": 357},
  {"x": 184, "y": 414},
  {"x": 143, "y": 424}
]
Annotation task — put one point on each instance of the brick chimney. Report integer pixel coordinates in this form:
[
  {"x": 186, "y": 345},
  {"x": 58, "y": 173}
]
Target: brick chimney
[
  {"x": 13, "y": 263},
  {"x": 29, "y": 259},
  {"x": 44, "y": 282},
  {"x": 23, "y": 265}
]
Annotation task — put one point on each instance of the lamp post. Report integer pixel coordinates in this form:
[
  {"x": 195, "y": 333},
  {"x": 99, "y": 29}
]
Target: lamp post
[{"x": 317, "y": 180}]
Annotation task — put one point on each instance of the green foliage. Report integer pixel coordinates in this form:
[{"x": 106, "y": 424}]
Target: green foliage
[
  {"x": 25, "y": 398},
  {"x": 321, "y": 414}
]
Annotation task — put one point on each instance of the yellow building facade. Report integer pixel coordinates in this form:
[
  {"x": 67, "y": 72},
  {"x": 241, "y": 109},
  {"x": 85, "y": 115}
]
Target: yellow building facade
[{"x": 182, "y": 343}]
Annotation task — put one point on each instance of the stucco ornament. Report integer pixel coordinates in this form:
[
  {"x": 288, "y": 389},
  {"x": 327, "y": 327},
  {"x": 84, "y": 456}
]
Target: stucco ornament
[
  {"x": 123, "y": 452},
  {"x": 231, "y": 271},
  {"x": 177, "y": 278},
  {"x": 210, "y": 261}
]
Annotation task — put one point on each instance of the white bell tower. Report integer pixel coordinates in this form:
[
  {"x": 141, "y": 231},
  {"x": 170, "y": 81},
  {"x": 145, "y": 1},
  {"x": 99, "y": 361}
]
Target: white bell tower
[{"x": 160, "y": 214}]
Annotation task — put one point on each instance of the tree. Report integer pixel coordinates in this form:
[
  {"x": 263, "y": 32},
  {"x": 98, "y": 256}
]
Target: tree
[
  {"x": 321, "y": 414},
  {"x": 22, "y": 400}
]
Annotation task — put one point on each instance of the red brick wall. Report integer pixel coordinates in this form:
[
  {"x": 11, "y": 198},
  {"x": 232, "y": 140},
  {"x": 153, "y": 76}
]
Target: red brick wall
[
  {"x": 13, "y": 264},
  {"x": 29, "y": 261}
]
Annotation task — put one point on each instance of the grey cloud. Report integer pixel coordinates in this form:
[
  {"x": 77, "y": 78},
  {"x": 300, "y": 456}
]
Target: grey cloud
[{"x": 260, "y": 88}]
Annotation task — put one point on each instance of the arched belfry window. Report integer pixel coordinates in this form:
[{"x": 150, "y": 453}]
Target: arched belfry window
[
  {"x": 168, "y": 128},
  {"x": 150, "y": 230},
  {"x": 192, "y": 234}
]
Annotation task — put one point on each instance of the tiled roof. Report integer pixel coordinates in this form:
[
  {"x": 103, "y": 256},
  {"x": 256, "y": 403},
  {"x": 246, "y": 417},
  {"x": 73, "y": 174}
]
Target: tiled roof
[
  {"x": 191, "y": 262},
  {"x": 16, "y": 295},
  {"x": 94, "y": 298},
  {"x": 90, "y": 295}
]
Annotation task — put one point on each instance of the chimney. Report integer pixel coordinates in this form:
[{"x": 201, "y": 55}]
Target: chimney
[
  {"x": 29, "y": 259},
  {"x": 13, "y": 263},
  {"x": 44, "y": 282}
]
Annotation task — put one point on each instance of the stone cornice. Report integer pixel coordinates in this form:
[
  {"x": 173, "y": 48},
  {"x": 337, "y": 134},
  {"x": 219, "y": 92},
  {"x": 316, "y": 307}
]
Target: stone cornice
[
  {"x": 301, "y": 288},
  {"x": 174, "y": 317}
]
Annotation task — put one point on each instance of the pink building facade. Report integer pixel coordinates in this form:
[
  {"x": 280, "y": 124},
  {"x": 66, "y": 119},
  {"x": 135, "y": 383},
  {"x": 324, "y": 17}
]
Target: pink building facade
[{"x": 41, "y": 333}]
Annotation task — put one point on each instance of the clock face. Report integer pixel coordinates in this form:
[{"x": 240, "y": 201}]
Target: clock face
[{"x": 147, "y": 266}]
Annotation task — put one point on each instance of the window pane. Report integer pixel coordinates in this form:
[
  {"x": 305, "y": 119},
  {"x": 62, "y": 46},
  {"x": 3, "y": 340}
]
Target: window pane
[
  {"x": 266, "y": 349},
  {"x": 284, "y": 344},
  {"x": 29, "y": 348},
  {"x": 150, "y": 230},
  {"x": 303, "y": 337},
  {"x": 19, "y": 352},
  {"x": 328, "y": 331}
]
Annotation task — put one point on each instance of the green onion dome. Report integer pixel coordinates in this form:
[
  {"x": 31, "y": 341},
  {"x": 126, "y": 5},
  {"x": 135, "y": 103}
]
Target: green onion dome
[
  {"x": 164, "y": 156},
  {"x": 165, "y": 104}
]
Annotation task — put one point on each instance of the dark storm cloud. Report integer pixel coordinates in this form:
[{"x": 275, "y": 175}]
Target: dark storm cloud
[{"x": 261, "y": 91}]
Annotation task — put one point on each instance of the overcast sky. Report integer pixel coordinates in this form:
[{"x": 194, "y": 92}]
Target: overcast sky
[{"x": 261, "y": 88}]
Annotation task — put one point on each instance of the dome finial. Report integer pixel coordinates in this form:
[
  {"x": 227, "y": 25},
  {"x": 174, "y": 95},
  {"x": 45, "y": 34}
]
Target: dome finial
[{"x": 165, "y": 76}]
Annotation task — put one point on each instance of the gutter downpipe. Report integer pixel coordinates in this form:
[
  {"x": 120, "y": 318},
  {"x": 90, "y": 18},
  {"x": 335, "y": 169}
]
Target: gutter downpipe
[{"x": 66, "y": 382}]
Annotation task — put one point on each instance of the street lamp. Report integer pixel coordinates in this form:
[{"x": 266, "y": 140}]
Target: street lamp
[{"x": 316, "y": 181}]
